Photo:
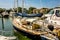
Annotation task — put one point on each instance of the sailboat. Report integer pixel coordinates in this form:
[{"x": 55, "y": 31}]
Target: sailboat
[
  {"x": 5, "y": 14},
  {"x": 32, "y": 26},
  {"x": 2, "y": 37}
]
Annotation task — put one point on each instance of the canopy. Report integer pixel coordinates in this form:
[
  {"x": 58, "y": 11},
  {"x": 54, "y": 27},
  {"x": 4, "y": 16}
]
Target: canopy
[{"x": 29, "y": 15}]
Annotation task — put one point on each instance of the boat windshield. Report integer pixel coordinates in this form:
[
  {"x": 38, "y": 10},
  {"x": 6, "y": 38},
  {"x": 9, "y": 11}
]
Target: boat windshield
[
  {"x": 51, "y": 12},
  {"x": 57, "y": 13}
]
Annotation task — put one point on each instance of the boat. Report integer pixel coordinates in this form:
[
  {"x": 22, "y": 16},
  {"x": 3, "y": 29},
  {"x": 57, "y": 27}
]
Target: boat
[
  {"x": 5, "y": 14},
  {"x": 11, "y": 14},
  {"x": 54, "y": 19},
  {"x": 32, "y": 26},
  {"x": 7, "y": 37}
]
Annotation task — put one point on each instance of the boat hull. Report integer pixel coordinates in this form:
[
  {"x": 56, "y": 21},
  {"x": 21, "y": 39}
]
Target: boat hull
[
  {"x": 6, "y": 16},
  {"x": 31, "y": 36}
]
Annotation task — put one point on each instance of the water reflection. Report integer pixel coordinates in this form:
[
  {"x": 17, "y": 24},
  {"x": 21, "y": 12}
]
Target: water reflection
[{"x": 9, "y": 30}]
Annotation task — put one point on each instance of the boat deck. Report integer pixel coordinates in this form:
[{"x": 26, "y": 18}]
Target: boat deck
[
  {"x": 29, "y": 30},
  {"x": 33, "y": 32}
]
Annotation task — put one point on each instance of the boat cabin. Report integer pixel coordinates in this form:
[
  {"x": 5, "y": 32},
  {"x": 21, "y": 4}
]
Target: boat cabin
[
  {"x": 31, "y": 21},
  {"x": 54, "y": 18}
]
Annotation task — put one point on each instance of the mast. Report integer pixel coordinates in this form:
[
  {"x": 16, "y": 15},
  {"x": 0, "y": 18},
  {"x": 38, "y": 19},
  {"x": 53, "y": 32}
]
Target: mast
[
  {"x": 22, "y": 6},
  {"x": 14, "y": 6},
  {"x": 17, "y": 5}
]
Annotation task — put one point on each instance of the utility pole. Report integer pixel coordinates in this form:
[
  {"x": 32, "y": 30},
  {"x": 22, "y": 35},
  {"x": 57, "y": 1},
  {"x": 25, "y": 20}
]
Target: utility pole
[{"x": 22, "y": 6}]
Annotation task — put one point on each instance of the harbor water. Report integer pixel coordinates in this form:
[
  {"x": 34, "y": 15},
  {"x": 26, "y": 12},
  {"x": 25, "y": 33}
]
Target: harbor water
[{"x": 8, "y": 30}]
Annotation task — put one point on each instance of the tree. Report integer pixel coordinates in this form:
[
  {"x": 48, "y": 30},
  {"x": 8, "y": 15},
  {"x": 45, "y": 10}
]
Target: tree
[
  {"x": 44, "y": 10},
  {"x": 9, "y": 10},
  {"x": 1, "y": 10},
  {"x": 25, "y": 10},
  {"x": 20, "y": 9},
  {"x": 31, "y": 9}
]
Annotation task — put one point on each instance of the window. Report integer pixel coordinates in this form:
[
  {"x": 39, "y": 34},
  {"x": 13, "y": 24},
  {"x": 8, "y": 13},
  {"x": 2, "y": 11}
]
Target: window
[
  {"x": 57, "y": 13},
  {"x": 51, "y": 12}
]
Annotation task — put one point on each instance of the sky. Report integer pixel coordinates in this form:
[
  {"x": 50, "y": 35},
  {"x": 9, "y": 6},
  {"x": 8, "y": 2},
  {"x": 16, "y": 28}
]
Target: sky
[{"x": 27, "y": 3}]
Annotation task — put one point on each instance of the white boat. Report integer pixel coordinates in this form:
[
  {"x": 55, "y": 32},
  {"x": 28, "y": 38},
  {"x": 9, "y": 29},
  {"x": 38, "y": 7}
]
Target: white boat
[
  {"x": 26, "y": 25},
  {"x": 7, "y": 38},
  {"x": 31, "y": 25},
  {"x": 54, "y": 19},
  {"x": 5, "y": 14},
  {"x": 4, "y": 37}
]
